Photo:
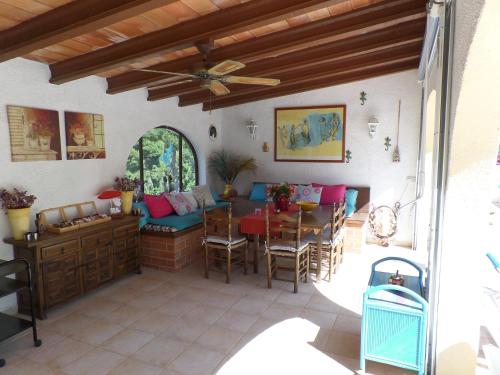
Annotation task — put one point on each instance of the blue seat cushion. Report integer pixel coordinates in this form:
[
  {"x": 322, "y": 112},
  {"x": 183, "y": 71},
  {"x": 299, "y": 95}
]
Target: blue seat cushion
[
  {"x": 351, "y": 196},
  {"x": 174, "y": 220},
  {"x": 258, "y": 192}
]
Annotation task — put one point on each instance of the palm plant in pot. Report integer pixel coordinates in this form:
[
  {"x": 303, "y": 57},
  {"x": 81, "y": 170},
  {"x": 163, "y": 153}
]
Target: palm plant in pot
[
  {"x": 228, "y": 166},
  {"x": 18, "y": 204}
]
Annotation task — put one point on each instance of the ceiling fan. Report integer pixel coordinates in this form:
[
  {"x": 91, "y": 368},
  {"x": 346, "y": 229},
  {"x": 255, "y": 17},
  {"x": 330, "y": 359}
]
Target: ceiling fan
[{"x": 214, "y": 78}]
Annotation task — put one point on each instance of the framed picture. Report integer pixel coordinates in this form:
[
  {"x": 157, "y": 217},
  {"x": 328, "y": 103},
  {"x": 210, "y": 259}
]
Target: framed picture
[
  {"x": 310, "y": 134},
  {"x": 34, "y": 134},
  {"x": 84, "y": 135}
]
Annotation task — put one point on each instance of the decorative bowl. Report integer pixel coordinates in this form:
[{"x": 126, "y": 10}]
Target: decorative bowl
[{"x": 307, "y": 206}]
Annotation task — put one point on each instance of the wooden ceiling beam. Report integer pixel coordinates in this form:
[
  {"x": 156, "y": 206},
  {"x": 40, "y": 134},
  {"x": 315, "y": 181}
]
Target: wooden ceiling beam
[
  {"x": 69, "y": 21},
  {"x": 371, "y": 42},
  {"x": 304, "y": 75},
  {"x": 320, "y": 82},
  {"x": 217, "y": 24},
  {"x": 358, "y": 22}
]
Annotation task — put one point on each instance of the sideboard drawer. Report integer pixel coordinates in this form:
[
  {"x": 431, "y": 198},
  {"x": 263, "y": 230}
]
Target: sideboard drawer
[
  {"x": 60, "y": 249},
  {"x": 126, "y": 231},
  {"x": 96, "y": 240}
]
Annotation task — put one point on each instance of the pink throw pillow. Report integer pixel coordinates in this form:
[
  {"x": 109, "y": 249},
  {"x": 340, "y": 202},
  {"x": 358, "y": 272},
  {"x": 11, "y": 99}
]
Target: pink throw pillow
[
  {"x": 158, "y": 205},
  {"x": 331, "y": 193}
]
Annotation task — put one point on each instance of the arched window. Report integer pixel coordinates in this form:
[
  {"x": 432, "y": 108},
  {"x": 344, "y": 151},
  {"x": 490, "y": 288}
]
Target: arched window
[{"x": 165, "y": 160}]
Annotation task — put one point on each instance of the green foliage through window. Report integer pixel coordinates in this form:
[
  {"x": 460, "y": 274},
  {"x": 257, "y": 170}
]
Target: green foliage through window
[{"x": 167, "y": 157}]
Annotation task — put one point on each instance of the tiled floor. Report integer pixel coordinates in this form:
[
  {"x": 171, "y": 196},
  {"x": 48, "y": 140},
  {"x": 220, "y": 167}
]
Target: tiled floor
[{"x": 183, "y": 324}]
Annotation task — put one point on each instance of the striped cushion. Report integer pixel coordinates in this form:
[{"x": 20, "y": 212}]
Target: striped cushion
[
  {"x": 223, "y": 240},
  {"x": 287, "y": 246}
]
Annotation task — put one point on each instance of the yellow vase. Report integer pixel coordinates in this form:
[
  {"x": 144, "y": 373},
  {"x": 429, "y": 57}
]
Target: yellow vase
[
  {"x": 228, "y": 188},
  {"x": 127, "y": 197},
  {"x": 19, "y": 221}
]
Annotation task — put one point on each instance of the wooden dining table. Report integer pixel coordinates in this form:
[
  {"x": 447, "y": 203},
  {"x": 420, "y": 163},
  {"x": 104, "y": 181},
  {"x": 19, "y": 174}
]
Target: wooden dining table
[{"x": 316, "y": 221}]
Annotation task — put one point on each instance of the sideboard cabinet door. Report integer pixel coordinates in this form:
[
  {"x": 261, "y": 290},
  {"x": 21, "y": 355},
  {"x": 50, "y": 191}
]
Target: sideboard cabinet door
[{"x": 61, "y": 278}]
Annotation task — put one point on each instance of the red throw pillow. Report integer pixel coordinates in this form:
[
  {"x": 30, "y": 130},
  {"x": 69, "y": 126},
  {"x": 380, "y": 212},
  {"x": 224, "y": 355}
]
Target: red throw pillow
[
  {"x": 158, "y": 205},
  {"x": 331, "y": 193}
]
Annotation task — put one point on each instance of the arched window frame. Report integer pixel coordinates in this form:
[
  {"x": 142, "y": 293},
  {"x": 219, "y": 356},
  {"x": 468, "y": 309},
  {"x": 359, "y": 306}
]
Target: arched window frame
[{"x": 182, "y": 139}]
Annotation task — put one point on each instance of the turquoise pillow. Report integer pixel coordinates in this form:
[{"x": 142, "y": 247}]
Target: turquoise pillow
[
  {"x": 258, "y": 192},
  {"x": 215, "y": 196},
  {"x": 351, "y": 196}
]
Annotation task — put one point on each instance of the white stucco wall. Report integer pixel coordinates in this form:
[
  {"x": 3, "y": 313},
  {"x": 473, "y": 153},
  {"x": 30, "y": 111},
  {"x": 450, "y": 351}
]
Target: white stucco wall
[
  {"x": 370, "y": 166},
  {"x": 126, "y": 117}
]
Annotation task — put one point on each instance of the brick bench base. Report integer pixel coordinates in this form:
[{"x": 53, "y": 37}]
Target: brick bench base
[{"x": 171, "y": 251}]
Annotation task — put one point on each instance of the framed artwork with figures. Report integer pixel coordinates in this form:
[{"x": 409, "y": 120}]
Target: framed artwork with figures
[
  {"x": 310, "y": 134},
  {"x": 84, "y": 136}
]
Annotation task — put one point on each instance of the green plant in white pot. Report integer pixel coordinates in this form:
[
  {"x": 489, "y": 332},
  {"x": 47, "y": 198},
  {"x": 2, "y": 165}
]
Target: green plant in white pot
[
  {"x": 18, "y": 204},
  {"x": 228, "y": 166}
]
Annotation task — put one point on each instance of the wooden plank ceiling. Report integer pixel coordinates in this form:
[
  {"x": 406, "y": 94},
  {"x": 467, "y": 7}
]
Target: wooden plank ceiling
[{"x": 307, "y": 44}]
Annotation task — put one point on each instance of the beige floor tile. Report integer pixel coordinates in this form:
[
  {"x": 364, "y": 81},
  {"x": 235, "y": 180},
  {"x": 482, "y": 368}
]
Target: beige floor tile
[
  {"x": 197, "y": 360},
  {"x": 250, "y": 305},
  {"x": 128, "y": 341},
  {"x": 146, "y": 284},
  {"x": 205, "y": 313},
  {"x": 70, "y": 324},
  {"x": 345, "y": 344},
  {"x": 166, "y": 289},
  {"x": 219, "y": 339},
  {"x": 348, "y": 324},
  {"x": 99, "y": 307},
  {"x": 25, "y": 366},
  {"x": 61, "y": 353},
  {"x": 96, "y": 332},
  {"x": 221, "y": 300},
  {"x": 154, "y": 322},
  {"x": 178, "y": 306},
  {"x": 323, "y": 303},
  {"x": 262, "y": 324},
  {"x": 95, "y": 362},
  {"x": 124, "y": 294},
  {"x": 134, "y": 367},
  {"x": 264, "y": 293},
  {"x": 147, "y": 301},
  {"x": 320, "y": 318},
  {"x": 126, "y": 315},
  {"x": 185, "y": 329},
  {"x": 195, "y": 294},
  {"x": 161, "y": 351},
  {"x": 23, "y": 345},
  {"x": 280, "y": 311},
  {"x": 294, "y": 299},
  {"x": 237, "y": 321}
]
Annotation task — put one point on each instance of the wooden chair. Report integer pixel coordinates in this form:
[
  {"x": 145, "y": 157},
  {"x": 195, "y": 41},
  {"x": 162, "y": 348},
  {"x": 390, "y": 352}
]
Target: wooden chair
[
  {"x": 219, "y": 243},
  {"x": 332, "y": 248},
  {"x": 283, "y": 240}
]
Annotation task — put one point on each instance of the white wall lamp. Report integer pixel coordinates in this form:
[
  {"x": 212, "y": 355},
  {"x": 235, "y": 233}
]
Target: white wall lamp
[
  {"x": 252, "y": 129},
  {"x": 373, "y": 123}
]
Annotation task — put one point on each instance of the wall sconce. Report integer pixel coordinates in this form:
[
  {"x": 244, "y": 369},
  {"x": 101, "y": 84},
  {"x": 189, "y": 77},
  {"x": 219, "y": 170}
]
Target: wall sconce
[
  {"x": 252, "y": 129},
  {"x": 373, "y": 123}
]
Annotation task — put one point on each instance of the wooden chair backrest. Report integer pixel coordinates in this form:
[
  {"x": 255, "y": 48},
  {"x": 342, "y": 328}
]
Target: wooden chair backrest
[
  {"x": 217, "y": 222},
  {"x": 284, "y": 226},
  {"x": 337, "y": 218}
]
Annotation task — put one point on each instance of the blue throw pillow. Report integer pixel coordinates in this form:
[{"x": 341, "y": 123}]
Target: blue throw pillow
[
  {"x": 258, "y": 192},
  {"x": 351, "y": 196},
  {"x": 215, "y": 196}
]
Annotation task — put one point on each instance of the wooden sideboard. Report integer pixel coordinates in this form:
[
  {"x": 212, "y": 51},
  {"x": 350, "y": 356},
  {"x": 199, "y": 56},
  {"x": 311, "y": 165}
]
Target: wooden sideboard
[{"x": 70, "y": 264}]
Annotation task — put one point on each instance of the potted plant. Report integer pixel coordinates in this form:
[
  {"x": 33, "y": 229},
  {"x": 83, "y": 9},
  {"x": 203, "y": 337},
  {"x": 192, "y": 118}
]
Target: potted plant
[
  {"x": 228, "y": 166},
  {"x": 17, "y": 204},
  {"x": 126, "y": 186},
  {"x": 78, "y": 133},
  {"x": 281, "y": 196},
  {"x": 45, "y": 133}
]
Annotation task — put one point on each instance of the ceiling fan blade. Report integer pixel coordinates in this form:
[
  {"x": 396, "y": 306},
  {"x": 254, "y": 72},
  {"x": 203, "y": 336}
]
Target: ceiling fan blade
[
  {"x": 156, "y": 87},
  {"x": 225, "y": 67},
  {"x": 170, "y": 73},
  {"x": 252, "y": 80},
  {"x": 218, "y": 88}
]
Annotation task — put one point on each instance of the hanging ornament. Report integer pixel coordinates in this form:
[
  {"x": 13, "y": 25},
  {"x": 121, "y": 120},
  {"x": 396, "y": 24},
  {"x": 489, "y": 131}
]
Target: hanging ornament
[
  {"x": 363, "y": 97},
  {"x": 387, "y": 143},
  {"x": 396, "y": 157},
  {"x": 348, "y": 156}
]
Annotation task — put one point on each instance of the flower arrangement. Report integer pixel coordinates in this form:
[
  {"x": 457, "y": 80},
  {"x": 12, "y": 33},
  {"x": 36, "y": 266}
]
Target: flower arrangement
[
  {"x": 16, "y": 199},
  {"x": 279, "y": 191},
  {"x": 42, "y": 129},
  {"x": 126, "y": 184},
  {"x": 77, "y": 128}
]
